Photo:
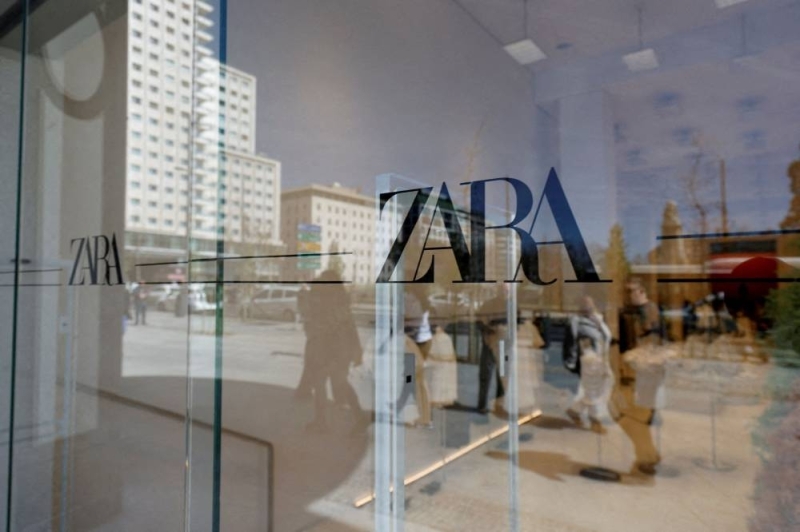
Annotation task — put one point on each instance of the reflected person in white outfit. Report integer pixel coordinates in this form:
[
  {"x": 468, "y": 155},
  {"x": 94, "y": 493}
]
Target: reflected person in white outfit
[
  {"x": 418, "y": 331},
  {"x": 594, "y": 339}
]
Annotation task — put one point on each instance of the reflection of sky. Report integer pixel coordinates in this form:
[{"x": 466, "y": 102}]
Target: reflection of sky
[
  {"x": 349, "y": 91},
  {"x": 757, "y": 193},
  {"x": 723, "y": 110}
]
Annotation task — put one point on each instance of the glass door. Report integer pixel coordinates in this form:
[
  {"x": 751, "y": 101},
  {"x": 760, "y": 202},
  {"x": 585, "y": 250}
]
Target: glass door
[
  {"x": 445, "y": 388},
  {"x": 12, "y": 56},
  {"x": 112, "y": 403}
]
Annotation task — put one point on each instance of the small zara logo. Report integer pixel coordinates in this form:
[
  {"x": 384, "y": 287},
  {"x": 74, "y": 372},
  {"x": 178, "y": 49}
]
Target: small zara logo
[{"x": 92, "y": 255}]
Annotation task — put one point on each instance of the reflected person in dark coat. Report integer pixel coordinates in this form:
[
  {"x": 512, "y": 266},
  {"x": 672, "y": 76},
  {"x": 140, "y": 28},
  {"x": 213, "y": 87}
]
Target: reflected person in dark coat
[{"x": 332, "y": 346}]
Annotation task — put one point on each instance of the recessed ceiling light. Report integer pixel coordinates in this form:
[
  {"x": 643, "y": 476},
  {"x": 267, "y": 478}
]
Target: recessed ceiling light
[
  {"x": 722, "y": 4},
  {"x": 642, "y": 60},
  {"x": 525, "y": 52}
]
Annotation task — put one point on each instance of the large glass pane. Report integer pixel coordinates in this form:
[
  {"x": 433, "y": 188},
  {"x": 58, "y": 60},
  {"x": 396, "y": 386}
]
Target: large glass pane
[
  {"x": 673, "y": 151},
  {"x": 114, "y": 399},
  {"x": 11, "y": 62},
  {"x": 70, "y": 214},
  {"x": 425, "y": 265},
  {"x": 351, "y": 111}
]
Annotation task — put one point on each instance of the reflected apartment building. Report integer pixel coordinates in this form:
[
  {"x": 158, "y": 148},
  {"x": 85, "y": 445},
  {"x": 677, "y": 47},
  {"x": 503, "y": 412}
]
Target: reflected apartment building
[
  {"x": 346, "y": 219},
  {"x": 192, "y": 168},
  {"x": 348, "y": 224}
]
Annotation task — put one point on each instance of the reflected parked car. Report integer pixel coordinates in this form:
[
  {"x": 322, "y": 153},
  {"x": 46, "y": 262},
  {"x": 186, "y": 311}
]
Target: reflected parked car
[
  {"x": 197, "y": 301},
  {"x": 276, "y": 302},
  {"x": 156, "y": 295}
]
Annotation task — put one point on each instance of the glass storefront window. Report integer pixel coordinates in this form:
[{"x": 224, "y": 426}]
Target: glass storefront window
[{"x": 423, "y": 265}]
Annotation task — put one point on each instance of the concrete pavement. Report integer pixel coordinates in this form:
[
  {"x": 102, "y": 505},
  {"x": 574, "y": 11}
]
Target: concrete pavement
[{"x": 688, "y": 492}]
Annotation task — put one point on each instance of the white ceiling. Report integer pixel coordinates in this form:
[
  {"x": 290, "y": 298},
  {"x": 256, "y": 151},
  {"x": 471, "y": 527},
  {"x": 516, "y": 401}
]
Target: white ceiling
[
  {"x": 595, "y": 27},
  {"x": 727, "y": 93},
  {"x": 736, "y": 98}
]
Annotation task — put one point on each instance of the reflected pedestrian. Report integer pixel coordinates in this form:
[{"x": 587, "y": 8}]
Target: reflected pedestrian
[
  {"x": 592, "y": 339},
  {"x": 332, "y": 347},
  {"x": 140, "y": 294},
  {"x": 493, "y": 324},
  {"x": 417, "y": 345},
  {"x": 640, "y": 326},
  {"x": 303, "y": 390}
]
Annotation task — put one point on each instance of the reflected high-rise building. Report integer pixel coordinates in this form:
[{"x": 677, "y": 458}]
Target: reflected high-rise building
[{"x": 192, "y": 169}]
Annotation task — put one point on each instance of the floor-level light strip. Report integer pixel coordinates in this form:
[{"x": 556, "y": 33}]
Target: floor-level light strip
[{"x": 455, "y": 455}]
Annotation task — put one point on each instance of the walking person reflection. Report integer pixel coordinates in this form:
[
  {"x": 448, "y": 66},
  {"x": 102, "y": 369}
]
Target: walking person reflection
[
  {"x": 332, "y": 346},
  {"x": 303, "y": 390},
  {"x": 592, "y": 341},
  {"x": 417, "y": 345},
  {"x": 493, "y": 324},
  {"x": 640, "y": 326},
  {"x": 140, "y": 294}
]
